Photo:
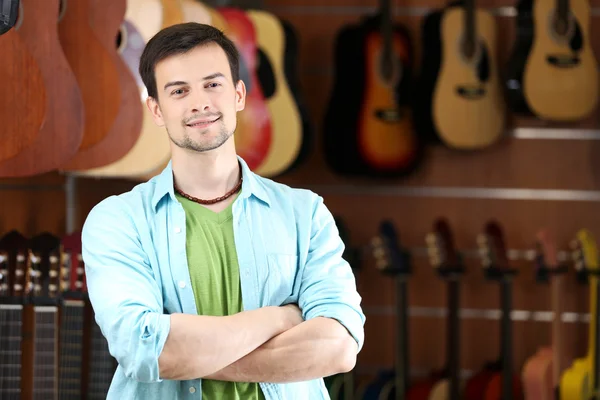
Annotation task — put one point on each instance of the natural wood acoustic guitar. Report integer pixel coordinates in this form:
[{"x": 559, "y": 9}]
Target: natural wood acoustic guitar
[
  {"x": 459, "y": 99},
  {"x": 106, "y": 20},
  {"x": 59, "y": 136},
  {"x": 151, "y": 150},
  {"x": 553, "y": 71},
  {"x": 23, "y": 104}
]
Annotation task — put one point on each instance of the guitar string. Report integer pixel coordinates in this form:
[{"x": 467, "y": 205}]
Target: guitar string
[{"x": 4, "y": 360}]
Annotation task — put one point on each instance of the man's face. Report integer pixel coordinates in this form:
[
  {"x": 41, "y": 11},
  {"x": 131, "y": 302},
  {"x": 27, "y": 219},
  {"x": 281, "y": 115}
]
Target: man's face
[{"x": 197, "y": 98}]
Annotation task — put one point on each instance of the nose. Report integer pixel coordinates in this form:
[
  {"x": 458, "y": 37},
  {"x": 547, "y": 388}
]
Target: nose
[{"x": 200, "y": 101}]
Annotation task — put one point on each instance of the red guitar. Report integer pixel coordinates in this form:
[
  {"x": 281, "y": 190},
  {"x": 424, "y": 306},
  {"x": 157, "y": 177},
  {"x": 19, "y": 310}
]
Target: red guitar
[{"x": 253, "y": 132}]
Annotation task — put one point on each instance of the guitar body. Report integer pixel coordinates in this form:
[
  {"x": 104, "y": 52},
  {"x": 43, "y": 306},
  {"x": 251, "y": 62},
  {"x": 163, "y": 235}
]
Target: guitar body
[
  {"x": 254, "y": 130},
  {"x": 105, "y": 21},
  {"x": 537, "y": 376},
  {"x": 559, "y": 78},
  {"x": 286, "y": 121},
  {"x": 493, "y": 390},
  {"x": 576, "y": 382},
  {"x": 143, "y": 19},
  {"x": 386, "y": 138},
  {"x": 468, "y": 106},
  {"x": 476, "y": 385},
  {"x": 61, "y": 133},
  {"x": 23, "y": 104}
]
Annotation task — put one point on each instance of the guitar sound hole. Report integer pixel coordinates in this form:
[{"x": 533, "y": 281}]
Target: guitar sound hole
[
  {"x": 11, "y": 12},
  {"x": 62, "y": 9}
]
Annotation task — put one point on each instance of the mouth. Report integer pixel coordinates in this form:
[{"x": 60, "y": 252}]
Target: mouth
[{"x": 203, "y": 123}]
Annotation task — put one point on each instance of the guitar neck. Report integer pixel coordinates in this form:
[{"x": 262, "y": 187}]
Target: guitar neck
[
  {"x": 102, "y": 365},
  {"x": 470, "y": 28},
  {"x": 557, "y": 356},
  {"x": 562, "y": 9},
  {"x": 402, "y": 360},
  {"x": 71, "y": 350},
  {"x": 45, "y": 365},
  {"x": 506, "y": 335},
  {"x": 595, "y": 331},
  {"x": 11, "y": 318},
  {"x": 453, "y": 344}
]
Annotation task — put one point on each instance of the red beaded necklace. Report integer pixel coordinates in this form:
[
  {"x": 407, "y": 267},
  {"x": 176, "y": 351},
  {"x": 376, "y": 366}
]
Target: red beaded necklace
[{"x": 212, "y": 201}]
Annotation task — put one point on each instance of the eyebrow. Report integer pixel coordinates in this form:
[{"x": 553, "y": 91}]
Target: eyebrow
[{"x": 182, "y": 83}]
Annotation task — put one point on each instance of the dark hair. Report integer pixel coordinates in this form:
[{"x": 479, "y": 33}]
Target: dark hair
[{"x": 179, "y": 39}]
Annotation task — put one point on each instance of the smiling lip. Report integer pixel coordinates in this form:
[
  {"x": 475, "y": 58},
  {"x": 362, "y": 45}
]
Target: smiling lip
[{"x": 203, "y": 123}]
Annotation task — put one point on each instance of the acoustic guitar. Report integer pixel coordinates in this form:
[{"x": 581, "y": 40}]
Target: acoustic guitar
[
  {"x": 23, "y": 104},
  {"x": 450, "y": 267},
  {"x": 254, "y": 130},
  {"x": 151, "y": 151},
  {"x": 14, "y": 275},
  {"x": 286, "y": 120},
  {"x": 503, "y": 384},
  {"x": 581, "y": 380},
  {"x": 58, "y": 134},
  {"x": 553, "y": 72},
  {"x": 368, "y": 128},
  {"x": 459, "y": 99},
  {"x": 541, "y": 372},
  {"x": 106, "y": 20}
]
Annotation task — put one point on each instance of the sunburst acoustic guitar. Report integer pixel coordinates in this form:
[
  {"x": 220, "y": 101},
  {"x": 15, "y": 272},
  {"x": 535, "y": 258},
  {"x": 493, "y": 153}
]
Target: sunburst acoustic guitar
[
  {"x": 582, "y": 379},
  {"x": 459, "y": 98},
  {"x": 553, "y": 72}
]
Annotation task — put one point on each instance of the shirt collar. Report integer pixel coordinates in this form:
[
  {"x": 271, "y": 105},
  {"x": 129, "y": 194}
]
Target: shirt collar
[{"x": 251, "y": 185}]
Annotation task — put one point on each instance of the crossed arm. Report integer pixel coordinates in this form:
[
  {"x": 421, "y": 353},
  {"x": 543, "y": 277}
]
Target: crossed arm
[{"x": 265, "y": 345}]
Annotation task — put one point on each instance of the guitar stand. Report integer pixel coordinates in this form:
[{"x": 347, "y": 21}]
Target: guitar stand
[{"x": 543, "y": 273}]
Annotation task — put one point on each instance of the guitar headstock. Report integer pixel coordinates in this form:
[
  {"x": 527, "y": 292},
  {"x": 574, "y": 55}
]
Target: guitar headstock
[
  {"x": 45, "y": 265},
  {"x": 74, "y": 285},
  {"x": 546, "y": 258},
  {"x": 14, "y": 267},
  {"x": 493, "y": 252},
  {"x": 441, "y": 250},
  {"x": 584, "y": 253},
  {"x": 9, "y": 11},
  {"x": 390, "y": 258}
]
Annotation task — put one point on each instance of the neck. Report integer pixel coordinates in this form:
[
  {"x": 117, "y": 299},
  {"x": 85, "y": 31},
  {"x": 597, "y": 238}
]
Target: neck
[{"x": 206, "y": 176}]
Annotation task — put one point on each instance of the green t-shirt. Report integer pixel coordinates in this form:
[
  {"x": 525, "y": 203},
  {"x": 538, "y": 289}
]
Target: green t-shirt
[{"x": 215, "y": 276}]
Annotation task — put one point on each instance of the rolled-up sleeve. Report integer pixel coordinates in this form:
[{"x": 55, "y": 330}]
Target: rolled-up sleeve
[
  {"x": 328, "y": 286},
  {"x": 124, "y": 294}
]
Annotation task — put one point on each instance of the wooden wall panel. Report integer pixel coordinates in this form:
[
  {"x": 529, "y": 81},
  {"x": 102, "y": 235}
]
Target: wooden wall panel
[{"x": 514, "y": 163}]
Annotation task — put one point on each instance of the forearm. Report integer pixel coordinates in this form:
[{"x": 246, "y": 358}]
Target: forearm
[
  {"x": 199, "y": 345},
  {"x": 314, "y": 349}
]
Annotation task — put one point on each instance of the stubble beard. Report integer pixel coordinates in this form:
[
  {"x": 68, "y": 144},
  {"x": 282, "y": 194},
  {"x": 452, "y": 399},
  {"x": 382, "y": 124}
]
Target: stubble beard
[{"x": 201, "y": 146}]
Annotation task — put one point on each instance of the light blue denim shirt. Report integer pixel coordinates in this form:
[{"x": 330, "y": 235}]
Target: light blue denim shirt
[{"x": 289, "y": 251}]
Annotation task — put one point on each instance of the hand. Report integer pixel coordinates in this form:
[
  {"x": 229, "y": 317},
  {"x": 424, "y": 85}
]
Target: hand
[{"x": 293, "y": 315}]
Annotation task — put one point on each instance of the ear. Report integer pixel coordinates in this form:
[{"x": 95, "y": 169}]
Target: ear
[
  {"x": 240, "y": 95},
  {"x": 154, "y": 108}
]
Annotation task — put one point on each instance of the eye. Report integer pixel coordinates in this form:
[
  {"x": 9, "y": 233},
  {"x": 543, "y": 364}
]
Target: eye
[
  {"x": 214, "y": 84},
  {"x": 178, "y": 92}
]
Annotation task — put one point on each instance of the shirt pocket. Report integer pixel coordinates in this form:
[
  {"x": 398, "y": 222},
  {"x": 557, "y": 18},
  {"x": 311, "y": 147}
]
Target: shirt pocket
[{"x": 281, "y": 278}]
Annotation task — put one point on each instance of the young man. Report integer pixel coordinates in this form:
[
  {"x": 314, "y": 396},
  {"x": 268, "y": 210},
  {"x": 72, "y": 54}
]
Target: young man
[{"x": 242, "y": 295}]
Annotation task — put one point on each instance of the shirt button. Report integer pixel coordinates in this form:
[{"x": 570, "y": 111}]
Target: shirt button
[
  {"x": 177, "y": 229},
  {"x": 192, "y": 389},
  {"x": 182, "y": 284}
]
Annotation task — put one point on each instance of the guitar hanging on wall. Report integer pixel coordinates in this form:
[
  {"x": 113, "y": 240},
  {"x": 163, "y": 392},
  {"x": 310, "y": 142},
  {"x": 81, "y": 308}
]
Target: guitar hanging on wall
[
  {"x": 459, "y": 98},
  {"x": 368, "y": 128},
  {"x": 552, "y": 72}
]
